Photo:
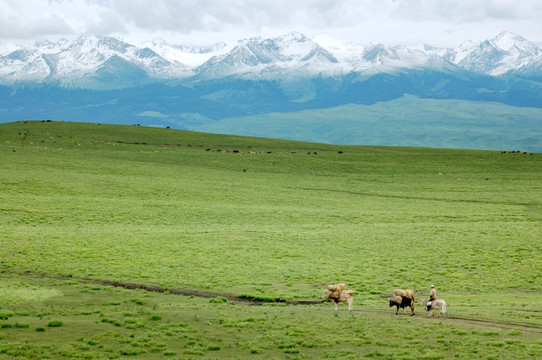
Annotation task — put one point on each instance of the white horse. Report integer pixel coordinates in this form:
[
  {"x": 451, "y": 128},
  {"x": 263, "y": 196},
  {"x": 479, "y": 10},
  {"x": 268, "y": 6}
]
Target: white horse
[{"x": 437, "y": 304}]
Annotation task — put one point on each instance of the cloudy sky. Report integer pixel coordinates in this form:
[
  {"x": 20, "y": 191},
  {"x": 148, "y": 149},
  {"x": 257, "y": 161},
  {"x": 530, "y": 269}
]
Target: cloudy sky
[{"x": 200, "y": 22}]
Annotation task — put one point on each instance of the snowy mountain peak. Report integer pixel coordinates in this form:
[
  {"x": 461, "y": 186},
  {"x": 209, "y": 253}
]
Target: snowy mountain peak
[
  {"x": 293, "y": 55},
  {"x": 289, "y": 38},
  {"x": 377, "y": 53},
  {"x": 340, "y": 49},
  {"x": 83, "y": 61},
  {"x": 427, "y": 47},
  {"x": 507, "y": 40},
  {"x": 505, "y": 53}
]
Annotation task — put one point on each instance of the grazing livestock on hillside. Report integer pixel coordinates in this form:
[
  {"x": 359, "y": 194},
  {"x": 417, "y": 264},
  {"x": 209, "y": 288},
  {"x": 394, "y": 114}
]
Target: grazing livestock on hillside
[
  {"x": 438, "y": 304},
  {"x": 403, "y": 299},
  {"x": 338, "y": 293}
]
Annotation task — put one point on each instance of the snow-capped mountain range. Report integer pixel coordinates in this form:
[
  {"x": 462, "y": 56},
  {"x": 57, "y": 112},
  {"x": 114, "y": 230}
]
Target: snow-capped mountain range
[
  {"x": 485, "y": 95},
  {"x": 91, "y": 61}
]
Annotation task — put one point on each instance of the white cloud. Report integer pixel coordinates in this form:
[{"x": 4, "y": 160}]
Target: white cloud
[
  {"x": 14, "y": 25},
  {"x": 438, "y": 22}
]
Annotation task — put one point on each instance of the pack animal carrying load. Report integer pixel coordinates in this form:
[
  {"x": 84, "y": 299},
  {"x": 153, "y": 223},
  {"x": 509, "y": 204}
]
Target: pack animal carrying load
[{"x": 338, "y": 293}]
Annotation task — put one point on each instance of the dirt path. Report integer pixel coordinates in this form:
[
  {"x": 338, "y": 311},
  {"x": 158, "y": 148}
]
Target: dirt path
[
  {"x": 200, "y": 293},
  {"x": 252, "y": 300},
  {"x": 496, "y": 324},
  {"x": 506, "y": 325}
]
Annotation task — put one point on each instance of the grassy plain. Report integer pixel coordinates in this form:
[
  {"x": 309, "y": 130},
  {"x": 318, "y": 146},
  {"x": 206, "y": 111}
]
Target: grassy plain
[
  {"x": 406, "y": 121},
  {"x": 86, "y": 206}
]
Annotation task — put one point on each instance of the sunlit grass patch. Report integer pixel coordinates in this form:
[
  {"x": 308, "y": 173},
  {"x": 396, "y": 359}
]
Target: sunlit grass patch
[{"x": 12, "y": 292}]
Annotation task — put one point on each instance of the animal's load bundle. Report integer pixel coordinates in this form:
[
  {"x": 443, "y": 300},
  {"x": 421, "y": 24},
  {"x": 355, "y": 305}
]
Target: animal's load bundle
[
  {"x": 409, "y": 294},
  {"x": 336, "y": 290},
  {"x": 345, "y": 295}
]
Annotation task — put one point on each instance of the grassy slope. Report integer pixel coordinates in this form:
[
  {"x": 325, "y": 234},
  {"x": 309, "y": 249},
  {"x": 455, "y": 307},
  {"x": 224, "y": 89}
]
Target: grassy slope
[
  {"x": 408, "y": 121},
  {"x": 83, "y": 202}
]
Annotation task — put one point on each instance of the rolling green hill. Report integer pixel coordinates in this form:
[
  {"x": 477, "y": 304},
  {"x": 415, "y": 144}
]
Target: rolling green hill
[
  {"x": 407, "y": 121},
  {"x": 136, "y": 242}
]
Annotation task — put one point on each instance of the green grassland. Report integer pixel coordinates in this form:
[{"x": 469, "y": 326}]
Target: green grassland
[
  {"x": 189, "y": 226},
  {"x": 406, "y": 121}
]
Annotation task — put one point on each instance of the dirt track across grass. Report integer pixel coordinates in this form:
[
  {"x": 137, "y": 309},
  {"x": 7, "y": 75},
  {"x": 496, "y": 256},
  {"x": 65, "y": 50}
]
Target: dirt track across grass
[
  {"x": 497, "y": 324},
  {"x": 201, "y": 293},
  {"x": 253, "y": 300},
  {"x": 504, "y": 325}
]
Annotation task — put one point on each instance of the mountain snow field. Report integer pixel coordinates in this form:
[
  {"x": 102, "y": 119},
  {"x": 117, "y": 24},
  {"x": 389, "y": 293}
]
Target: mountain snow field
[{"x": 73, "y": 63}]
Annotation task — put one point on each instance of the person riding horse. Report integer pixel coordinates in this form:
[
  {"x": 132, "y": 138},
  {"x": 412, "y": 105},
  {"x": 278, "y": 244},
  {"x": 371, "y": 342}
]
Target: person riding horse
[{"x": 432, "y": 297}]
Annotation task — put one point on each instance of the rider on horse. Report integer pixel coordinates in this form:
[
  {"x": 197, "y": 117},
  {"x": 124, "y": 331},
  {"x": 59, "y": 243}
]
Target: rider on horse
[{"x": 432, "y": 297}]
